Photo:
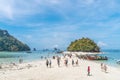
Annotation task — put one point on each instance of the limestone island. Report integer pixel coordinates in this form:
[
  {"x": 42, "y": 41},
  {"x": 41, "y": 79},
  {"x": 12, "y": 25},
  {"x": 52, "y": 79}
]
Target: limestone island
[
  {"x": 85, "y": 48},
  {"x": 10, "y": 43},
  {"x": 83, "y": 45}
]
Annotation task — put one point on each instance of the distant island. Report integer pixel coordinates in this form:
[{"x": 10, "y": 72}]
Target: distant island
[
  {"x": 84, "y": 45},
  {"x": 10, "y": 43}
]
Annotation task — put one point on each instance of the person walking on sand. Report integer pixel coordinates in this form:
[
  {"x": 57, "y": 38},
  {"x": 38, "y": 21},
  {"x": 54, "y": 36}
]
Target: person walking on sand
[
  {"x": 47, "y": 62},
  {"x": 50, "y": 63},
  {"x": 77, "y": 62},
  {"x": 105, "y": 67},
  {"x": 88, "y": 70},
  {"x": 58, "y": 61},
  {"x": 66, "y": 62},
  {"x": 101, "y": 66},
  {"x": 72, "y": 62}
]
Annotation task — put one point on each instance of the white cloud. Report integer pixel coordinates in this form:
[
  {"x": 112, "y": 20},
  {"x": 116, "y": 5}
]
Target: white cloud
[
  {"x": 6, "y": 10},
  {"x": 101, "y": 44},
  {"x": 55, "y": 46},
  {"x": 20, "y": 9},
  {"x": 28, "y": 36}
]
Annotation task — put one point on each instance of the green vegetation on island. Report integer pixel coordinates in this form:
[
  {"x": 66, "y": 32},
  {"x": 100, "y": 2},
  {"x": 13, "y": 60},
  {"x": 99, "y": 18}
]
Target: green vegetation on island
[
  {"x": 84, "y": 45},
  {"x": 9, "y": 43}
]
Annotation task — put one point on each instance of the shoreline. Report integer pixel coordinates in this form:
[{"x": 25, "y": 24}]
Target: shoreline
[
  {"x": 109, "y": 62},
  {"x": 37, "y": 70}
]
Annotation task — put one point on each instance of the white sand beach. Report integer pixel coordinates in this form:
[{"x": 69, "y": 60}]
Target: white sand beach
[{"x": 37, "y": 70}]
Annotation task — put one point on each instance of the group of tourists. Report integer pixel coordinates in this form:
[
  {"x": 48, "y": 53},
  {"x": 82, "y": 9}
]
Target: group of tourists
[
  {"x": 73, "y": 62},
  {"x": 48, "y": 63}
]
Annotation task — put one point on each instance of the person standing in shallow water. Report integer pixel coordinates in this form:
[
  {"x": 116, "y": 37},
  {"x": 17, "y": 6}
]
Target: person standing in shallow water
[
  {"x": 20, "y": 61},
  {"x": 88, "y": 70}
]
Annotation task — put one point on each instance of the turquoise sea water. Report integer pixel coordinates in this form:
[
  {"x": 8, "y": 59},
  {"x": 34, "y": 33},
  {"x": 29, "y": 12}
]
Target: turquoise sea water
[
  {"x": 8, "y": 57},
  {"x": 113, "y": 56}
]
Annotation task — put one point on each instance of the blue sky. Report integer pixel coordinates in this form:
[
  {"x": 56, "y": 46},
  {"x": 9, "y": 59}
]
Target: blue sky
[{"x": 55, "y": 23}]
